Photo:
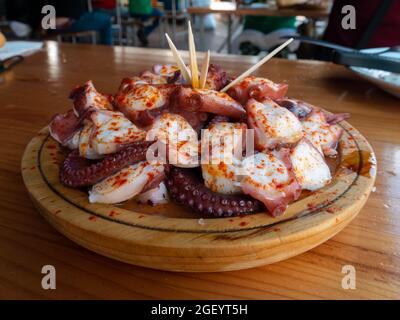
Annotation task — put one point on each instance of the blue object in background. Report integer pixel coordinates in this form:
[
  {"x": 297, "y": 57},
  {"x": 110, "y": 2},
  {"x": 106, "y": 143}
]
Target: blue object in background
[{"x": 168, "y": 4}]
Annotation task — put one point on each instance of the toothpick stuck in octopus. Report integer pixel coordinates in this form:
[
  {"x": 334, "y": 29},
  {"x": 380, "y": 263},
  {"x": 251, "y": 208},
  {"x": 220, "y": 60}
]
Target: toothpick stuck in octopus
[
  {"x": 257, "y": 65},
  {"x": 179, "y": 61}
]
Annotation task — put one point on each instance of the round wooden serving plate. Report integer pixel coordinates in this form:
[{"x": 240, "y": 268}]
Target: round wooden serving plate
[{"x": 168, "y": 238}]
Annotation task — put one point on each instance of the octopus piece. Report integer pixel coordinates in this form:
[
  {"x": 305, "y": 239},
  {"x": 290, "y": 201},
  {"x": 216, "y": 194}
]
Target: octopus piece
[
  {"x": 143, "y": 103},
  {"x": 187, "y": 189},
  {"x": 85, "y": 146},
  {"x": 217, "y": 119},
  {"x": 165, "y": 70},
  {"x": 336, "y": 118},
  {"x": 177, "y": 78},
  {"x": 77, "y": 171},
  {"x": 299, "y": 108},
  {"x": 204, "y": 100},
  {"x": 321, "y": 134},
  {"x": 113, "y": 130},
  {"x": 126, "y": 183},
  {"x": 216, "y": 78},
  {"x": 151, "y": 78},
  {"x": 63, "y": 127},
  {"x": 222, "y": 147},
  {"x": 163, "y": 74},
  {"x": 273, "y": 125},
  {"x": 258, "y": 89},
  {"x": 86, "y": 96},
  {"x": 302, "y": 109},
  {"x": 73, "y": 143},
  {"x": 221, "y": 178},
  {"x": 177, "y": 138},
  {"x": 309, "y": 166},
  {"x": 128, "y": 83},
  {"x": 196, "y": 120},
  {"x": 160, "y": 74},
  {"x": 140, "y": 97},
  {"x": 156, "y": 196},
  {"x": 269, "y": 178}
]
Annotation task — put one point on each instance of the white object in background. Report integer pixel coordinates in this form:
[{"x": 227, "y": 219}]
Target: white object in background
[
  {"x": 15, "y": 48},
  {"x": 209, "y": 22},
  {"x": 386, "y": 80},
  {"x": 266, "y": 41},
  {"x": 20, "y": 29}
]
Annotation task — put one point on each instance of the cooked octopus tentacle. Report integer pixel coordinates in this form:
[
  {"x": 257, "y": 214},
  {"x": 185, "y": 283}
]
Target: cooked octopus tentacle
[
  {"x": 258, "y": 89},
  {"x": 78, "y": 172},
  {"x": 87, "y": 97},
  {"x": 188, "y": 190},
  {"x": 216, "y": 78}
]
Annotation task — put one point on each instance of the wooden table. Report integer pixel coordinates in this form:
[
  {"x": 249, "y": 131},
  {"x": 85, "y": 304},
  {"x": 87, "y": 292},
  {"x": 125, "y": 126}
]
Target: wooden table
[
  {"x": 230, "y": 9},
  {"x": 32, "y": 92}
]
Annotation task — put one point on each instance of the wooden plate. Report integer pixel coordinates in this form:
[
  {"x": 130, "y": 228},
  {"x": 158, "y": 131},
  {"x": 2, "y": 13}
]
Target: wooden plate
[{"x": 169, "y": 238}]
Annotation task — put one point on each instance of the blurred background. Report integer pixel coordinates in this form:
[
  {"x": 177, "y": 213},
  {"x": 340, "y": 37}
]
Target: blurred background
[{"x": 248, "y": 27}]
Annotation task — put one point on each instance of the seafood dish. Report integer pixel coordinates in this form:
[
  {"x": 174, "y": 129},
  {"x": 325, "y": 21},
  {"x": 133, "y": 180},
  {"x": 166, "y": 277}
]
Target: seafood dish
[{"x": 248, "y": 149}]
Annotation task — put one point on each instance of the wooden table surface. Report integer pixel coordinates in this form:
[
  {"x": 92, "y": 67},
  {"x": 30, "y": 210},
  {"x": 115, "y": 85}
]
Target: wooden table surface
[
  {"x": 38, "y": 88},
  {"x": 270, "y": 11}
]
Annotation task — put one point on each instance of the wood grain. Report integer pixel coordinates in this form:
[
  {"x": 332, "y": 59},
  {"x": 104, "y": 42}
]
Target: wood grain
[{"x": 33, "y": 91}]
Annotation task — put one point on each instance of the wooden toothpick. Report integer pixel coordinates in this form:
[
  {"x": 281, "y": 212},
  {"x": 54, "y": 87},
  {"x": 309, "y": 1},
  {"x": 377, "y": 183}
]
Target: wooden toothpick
[
  {"x": 193, "y": 58},
  {"x": 257, "y": 65},
  {"x": 204, "y": 69},
  {"x": 179, "y": 61}
]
